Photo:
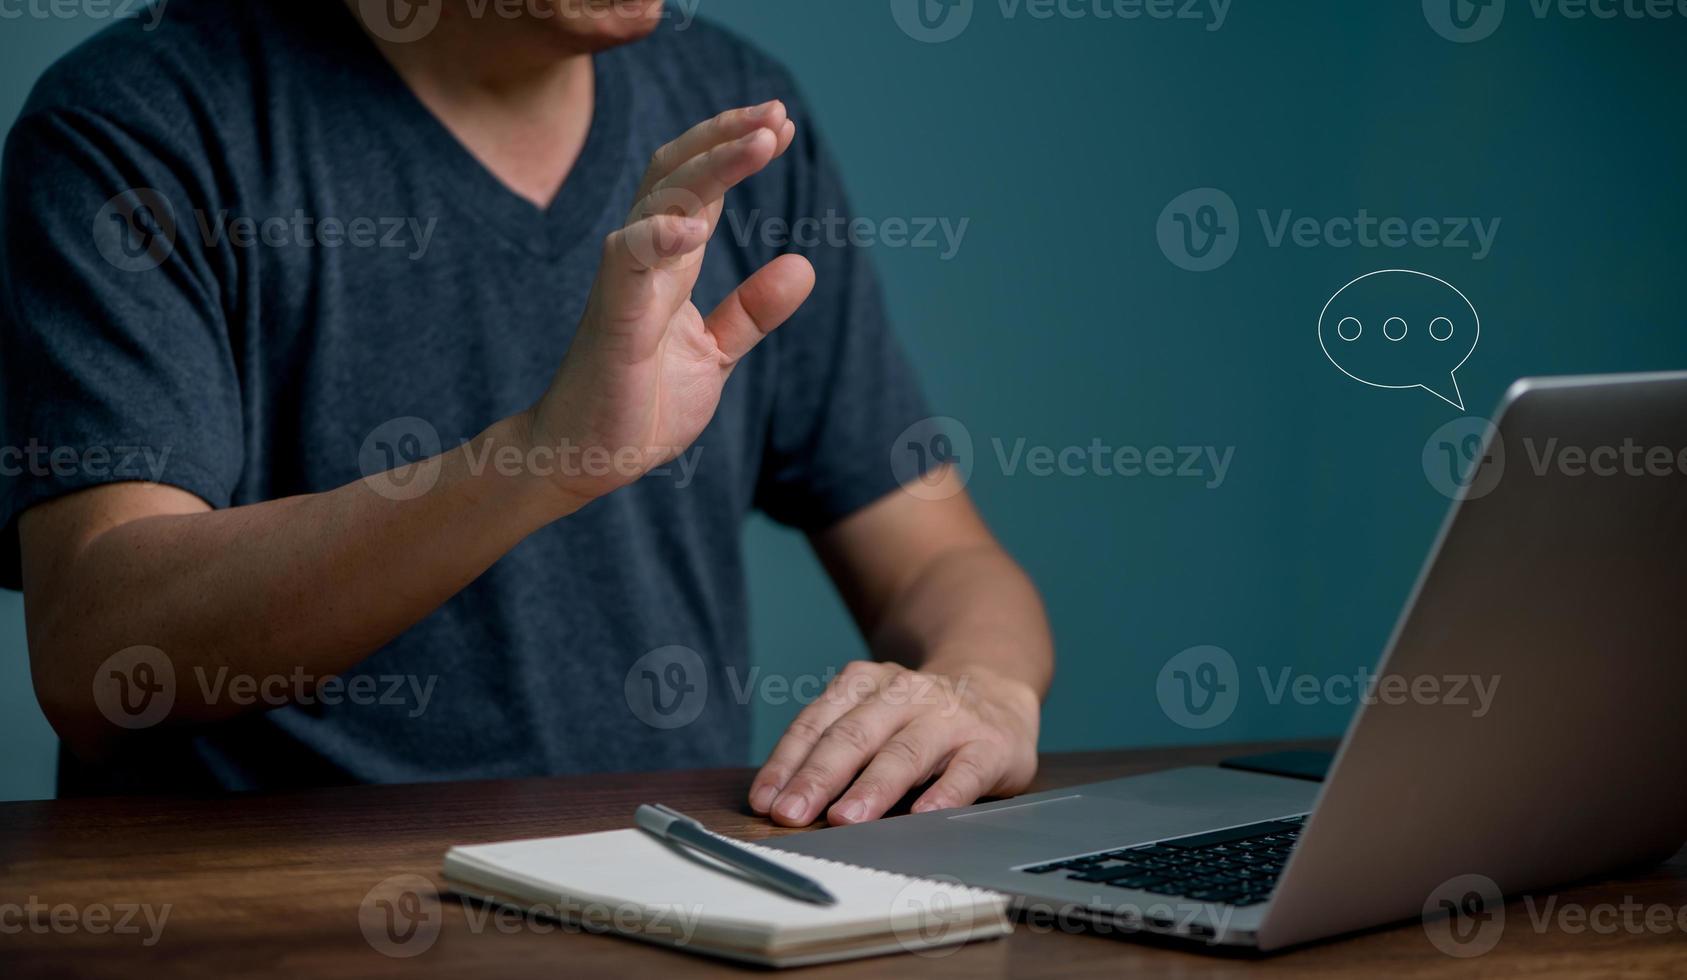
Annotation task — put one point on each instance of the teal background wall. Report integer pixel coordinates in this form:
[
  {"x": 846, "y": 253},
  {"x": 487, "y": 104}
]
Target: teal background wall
[{"x": 1060, "y": 321}]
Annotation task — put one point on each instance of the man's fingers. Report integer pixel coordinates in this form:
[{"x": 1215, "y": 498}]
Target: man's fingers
[
  {"x": 972, "y": 771},
  {"x": 656, "y": 242},
  {"x": 700, "y": 183},
  {"x": 902, "y": 763},
  {"x": 841, "y": 753},
  {"x": 848, "y": 689},
  {"x": 759, "y": 304},
  {"x": 712, "y": 132},
  {"x": 625, "y": 286}
]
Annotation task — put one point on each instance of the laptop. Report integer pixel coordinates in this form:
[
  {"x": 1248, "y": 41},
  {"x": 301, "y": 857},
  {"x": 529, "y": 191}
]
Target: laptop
[{"x": 1559, "y": 577}]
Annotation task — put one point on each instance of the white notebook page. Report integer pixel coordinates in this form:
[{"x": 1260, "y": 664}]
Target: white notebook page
[{"x": 629, "y": 881}]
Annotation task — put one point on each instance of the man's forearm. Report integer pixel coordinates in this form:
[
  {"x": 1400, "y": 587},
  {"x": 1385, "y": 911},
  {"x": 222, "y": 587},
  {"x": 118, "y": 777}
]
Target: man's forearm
[
  {"x": 312, "y": 583},
  {"x": 969, "y": 607}
]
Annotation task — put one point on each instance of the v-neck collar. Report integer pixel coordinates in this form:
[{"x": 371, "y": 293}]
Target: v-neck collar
[{"x": 589, "y": 187}]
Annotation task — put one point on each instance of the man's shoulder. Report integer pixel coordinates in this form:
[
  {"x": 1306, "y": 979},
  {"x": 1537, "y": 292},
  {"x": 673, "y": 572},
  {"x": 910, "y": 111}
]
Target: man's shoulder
[{"x": 146, "y": 65}]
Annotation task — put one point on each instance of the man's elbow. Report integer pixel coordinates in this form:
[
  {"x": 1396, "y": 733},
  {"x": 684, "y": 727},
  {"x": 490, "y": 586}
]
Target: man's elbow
[{"x": 89, "y": 708}]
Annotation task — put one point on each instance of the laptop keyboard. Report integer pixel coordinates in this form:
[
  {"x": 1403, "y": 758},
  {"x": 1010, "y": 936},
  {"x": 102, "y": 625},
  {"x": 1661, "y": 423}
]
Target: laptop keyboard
[{"x": 1238, "y": 866}]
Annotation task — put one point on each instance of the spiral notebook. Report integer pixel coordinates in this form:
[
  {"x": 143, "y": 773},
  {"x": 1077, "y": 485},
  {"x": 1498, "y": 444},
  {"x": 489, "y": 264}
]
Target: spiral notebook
[{"x": 627, "y": 881}]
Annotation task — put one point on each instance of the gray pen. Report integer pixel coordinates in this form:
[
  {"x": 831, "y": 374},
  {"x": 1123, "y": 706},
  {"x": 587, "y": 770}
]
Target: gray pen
[{"x": 671, "y": 825}]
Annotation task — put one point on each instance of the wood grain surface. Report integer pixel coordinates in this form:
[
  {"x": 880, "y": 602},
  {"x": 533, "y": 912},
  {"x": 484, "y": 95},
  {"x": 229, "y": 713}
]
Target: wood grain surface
[{"x": 287, "y": 884}]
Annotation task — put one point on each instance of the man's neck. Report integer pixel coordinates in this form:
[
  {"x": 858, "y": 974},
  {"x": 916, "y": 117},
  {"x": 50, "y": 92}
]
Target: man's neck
[{"x": 508, "y": 90}]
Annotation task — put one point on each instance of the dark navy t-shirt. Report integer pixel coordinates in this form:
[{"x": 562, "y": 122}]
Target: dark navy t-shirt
[{"x": 241, "y": 258}]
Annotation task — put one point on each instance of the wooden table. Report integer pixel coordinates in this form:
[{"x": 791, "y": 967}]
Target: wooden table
[{"x": 275, "y": 884}]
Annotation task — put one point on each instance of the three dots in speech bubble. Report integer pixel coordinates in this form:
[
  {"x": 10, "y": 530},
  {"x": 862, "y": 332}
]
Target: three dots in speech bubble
[{"x": 1393, "y": 355}]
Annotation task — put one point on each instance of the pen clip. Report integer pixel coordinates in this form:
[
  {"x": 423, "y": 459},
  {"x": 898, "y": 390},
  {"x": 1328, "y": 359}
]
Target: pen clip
[
  {"x": 657, "y": 818},
  {"x": 668, "y": 811}
]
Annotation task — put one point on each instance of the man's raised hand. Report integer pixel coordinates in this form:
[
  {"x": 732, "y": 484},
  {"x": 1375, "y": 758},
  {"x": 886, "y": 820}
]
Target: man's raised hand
[{"x": 644, "y": 373}]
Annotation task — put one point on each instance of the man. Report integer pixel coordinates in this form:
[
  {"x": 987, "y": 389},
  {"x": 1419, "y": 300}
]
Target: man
[{"x": 568, "y": 391}]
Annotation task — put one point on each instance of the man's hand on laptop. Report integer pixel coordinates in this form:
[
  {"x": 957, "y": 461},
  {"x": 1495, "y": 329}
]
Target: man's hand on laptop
[
  {"x": 644, "y": 373},
  {"x": 880, "y": 730}
]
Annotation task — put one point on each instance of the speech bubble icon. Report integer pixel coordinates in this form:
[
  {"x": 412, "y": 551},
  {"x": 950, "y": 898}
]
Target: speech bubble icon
[{"x": 1395, "y": 328}]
